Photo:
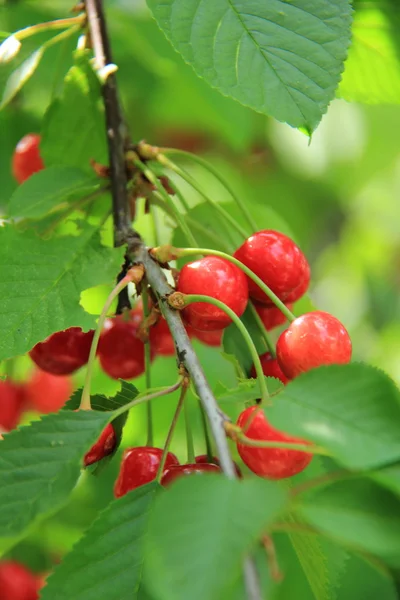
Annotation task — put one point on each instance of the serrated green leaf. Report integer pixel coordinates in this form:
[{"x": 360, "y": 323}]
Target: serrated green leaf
[
  {"x": 20, "y": 76},
  {"x": 358, "y": 514},
  {"x": 108, "y": 560},
  {"x": 281, "y": 58},
  {"x": 48, "y": 189},
  {"x": 73, "y": 131},
  {"x": 197, "y": 552},
  {"x": 351, "y": 410},
  {"x": 41, "y": 282},
  {"x": 364, "y": 580},
  {"x": 372, "y": 70},
  {"x": 40, "y": 465},
  {"x": 246, "y": 391}
]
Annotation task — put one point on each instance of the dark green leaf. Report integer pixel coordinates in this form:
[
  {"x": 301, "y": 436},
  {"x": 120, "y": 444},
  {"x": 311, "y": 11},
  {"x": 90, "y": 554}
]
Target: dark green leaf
[
  {"x": 41, "y": 282},
  {"x": 282, "y": 58},
  {"x": 40, "y": 465},
  {"x": 359, "y": 514},
  {"x": 389, "y": 477},
  {"x": 48, "y": 189},
  {"x": 351, "y": 410},
  {"x": 197, "y": 551},
  {"x": 20, "y": 76},
  {"x": 108, "y": 561},
  {"x": 364, "y": 580}
]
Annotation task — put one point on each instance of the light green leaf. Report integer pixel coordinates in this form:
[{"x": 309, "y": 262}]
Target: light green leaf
[
  {"x": 351, "y": 410},
  {"x": 247, "y": 390},
  {"x": 108, "y": 560},
  {"x": 358, "y": 514},
  {"x": 197, "y": 552},
  {"x": 20, "y": 76},
  {"x": 40, "y": 465},
  {"x": 41, "y": 282},
  {"x": 48, "y": 189},
  {"x": 372, "y": 70},
  {"x": 281, "y": 58},
  {"x": 389, "y": 477},
  {"x": 73, "y": 131}
]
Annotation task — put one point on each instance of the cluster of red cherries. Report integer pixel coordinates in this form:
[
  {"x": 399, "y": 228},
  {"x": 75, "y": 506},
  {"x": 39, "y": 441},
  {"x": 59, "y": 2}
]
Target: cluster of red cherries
[
  {"x": 17, "y": 582},
  {"x": 311, "y": 340}
]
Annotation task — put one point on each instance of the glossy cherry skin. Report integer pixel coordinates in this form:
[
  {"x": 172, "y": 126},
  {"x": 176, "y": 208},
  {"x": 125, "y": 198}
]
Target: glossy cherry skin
[
  {"x": 277, "y": 261},
  {"x": 270, "y": 315},
  {"x": 270, "y": 367},
  {"x": 26, "y": 158},
  {"x": 314, "y": 339},
  {"x": 203, "y": 459},
  {"x": 161, "y": 340},
  {"x": 12, "y": 403},
  {"x": 209, "y": 338},
  {"x": 139, "y": 466},
  {"x": 17, "y": 582},
  {"x": 178, "y": 471},
  {"x": 103, "y": 447},
  {"x": 299, "y": 292},
  {"x": 63, "y": 352},
  {"x": 47, "y": 393},
  {"x": 216, "y": 277},
  {"x": 272, "y": 463},
  {"x": 121, "y": 352}
]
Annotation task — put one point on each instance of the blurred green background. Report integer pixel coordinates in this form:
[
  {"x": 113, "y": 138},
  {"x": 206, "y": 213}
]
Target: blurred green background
[{"x": 337, "y": 193}]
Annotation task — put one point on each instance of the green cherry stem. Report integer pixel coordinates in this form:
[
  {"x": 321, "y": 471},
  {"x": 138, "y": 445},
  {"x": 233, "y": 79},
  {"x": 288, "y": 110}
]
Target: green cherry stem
[
  {"x": 189, "y": 179},
  {"x": 147, "y": 365},
  {"x": 189, "y": 434},
  {"x": 85, "y": 399},
  {"x": 267, "y": 291},
  {"x": 209, "y": 167},
  {"x": 147, "y": 398},
  {"x": 263, "y": 331},
  {"x": 243, "y": 439},
  {"x": 207, "y": 439},
  {"x": 40, "y": 27},
  {"x": 175, "y": 418},
  {"x": 191, "y": 298}
]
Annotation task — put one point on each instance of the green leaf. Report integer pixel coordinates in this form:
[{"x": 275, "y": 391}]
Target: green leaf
[
  {"x": 281, "y": 58},
  {"x": 108, "y": 561},
  {"x": 73, "y": 131},
  {"x": 197, "y": 551},
  {"x": 40, "y": 465},
  {"x": 48, "y": 189},
  {"x": 388, "y": 477},
  {"x": 364, "y": 580},
  {"x": 358, "y": 514},
  {"x": 20, "y": 76},
  {"x": 351, "y": 410},
  {"x": 247, "y": 390},
  {"x": 372, "y": 70},
  {"x": 41, "y": 282}
]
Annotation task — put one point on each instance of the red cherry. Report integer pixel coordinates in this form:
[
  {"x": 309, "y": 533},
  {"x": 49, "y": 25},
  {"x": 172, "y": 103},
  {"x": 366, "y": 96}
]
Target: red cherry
[
  {"x": 209, "y": 338},
  {"x": 161, "y": 340},
  {"x": 139, "y": 466},
  {"x": 216, "y": 277},
  {"x": 12, "y": 401},
  {"x": 203, "y": 459},
  {"x": 63, "y": 352},
  {"x": 270, "y": 315},
  {"x": 314, "y": 339},
  {"x": 47, "y": 393},
  {"x": 103, "y": 447},
  {"x": 299, "y": 292},
  {"x": 17, "y": 582},
  {"x": 273, "y": 463},
  {"x": 26, "y": 159},
  {"x": 177, "y": 471},
  {"x": 270, "y": 367},
  {"x": 277, "y": 261}
]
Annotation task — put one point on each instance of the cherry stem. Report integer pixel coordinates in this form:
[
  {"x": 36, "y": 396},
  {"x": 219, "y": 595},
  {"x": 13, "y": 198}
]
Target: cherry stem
[
  {"x": 189, "y": 434},
  {"x": 175, "y": 418},
  {"x": 85, "y": 399},
  {"x": 150, "y": 175},
  {"x": 147, "y": 398},
  {"x": 217, "y": 206},
  {"x": 263, "y": 330},
  {"x": 191, "y": 298},
  {"x": 40, "y": 27},
  {"x": 209, "y": 167},
  {"x": 62, "y": 36},
  {"x": 267, "y": 291},
  {"x": 246, "y": 441},
  {"x": 147, "y": 363},
  {"x": 207, "y": 440}
]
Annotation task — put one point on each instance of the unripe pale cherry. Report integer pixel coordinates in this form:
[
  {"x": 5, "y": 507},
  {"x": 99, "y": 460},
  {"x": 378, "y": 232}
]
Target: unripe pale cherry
[
  {"x": 270, "y": 367},
  {"x": 220, "y": 279},
  {"x": 139, "y": 466},
  {"x": 272, "y": 463},
  {"x": 63, "y": 352},
  {"x": 312, "y": 340},
  {"x": 175, "y": 472},
  {"x": 278, "y": 262},
  {"x": 271, "y": 316},
  {"x": 17, "y": 582},
  {"x": 47, "y": 393},
  {"x": 103, "y": 447},
  {"x": 26, "y": 158}
]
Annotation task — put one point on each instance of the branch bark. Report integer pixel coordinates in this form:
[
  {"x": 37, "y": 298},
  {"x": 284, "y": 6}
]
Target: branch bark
[{"x": 117, "y": 140}]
